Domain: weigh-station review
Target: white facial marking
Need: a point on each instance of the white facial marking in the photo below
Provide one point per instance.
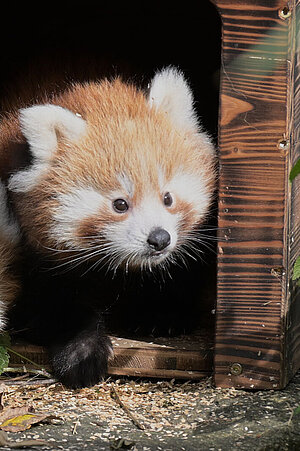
(74, 206)
(190, 188)
(153, 214)
(129, 237)
(126, 184)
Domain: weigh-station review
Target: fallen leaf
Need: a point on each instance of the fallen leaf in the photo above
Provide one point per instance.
(296, 270)
(297, 411)
(17, 419)
(295, 170)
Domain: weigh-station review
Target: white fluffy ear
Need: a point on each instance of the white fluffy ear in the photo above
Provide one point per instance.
(42, 125)
(170, 93)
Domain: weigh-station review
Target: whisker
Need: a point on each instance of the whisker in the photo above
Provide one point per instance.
(79, 259)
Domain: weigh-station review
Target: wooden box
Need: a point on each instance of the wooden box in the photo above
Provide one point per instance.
(256, 342)
(258, 310)
(133, 42)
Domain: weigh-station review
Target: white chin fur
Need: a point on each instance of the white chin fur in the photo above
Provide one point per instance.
(154, 259)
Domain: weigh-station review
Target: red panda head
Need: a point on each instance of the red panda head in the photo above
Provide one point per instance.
(118, 176)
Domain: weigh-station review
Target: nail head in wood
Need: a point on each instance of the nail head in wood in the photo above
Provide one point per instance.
(236, 369)
(284, 13)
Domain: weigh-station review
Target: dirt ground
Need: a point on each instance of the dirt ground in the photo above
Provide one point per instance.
(149, 415)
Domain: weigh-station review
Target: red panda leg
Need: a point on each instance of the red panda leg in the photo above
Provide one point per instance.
(82, 360)
(9, 238)
(9, 285)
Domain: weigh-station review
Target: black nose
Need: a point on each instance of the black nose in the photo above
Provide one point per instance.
(158, 239)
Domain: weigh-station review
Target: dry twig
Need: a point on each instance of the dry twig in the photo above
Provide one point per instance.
(115, 395)
(30, 382)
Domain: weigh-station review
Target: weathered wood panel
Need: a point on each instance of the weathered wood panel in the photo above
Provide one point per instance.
(253, 194)
(182, 358)
(292, 347)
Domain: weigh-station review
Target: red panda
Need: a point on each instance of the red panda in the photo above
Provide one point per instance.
(102, 174)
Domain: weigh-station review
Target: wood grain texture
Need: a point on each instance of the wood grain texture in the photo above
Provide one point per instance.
(292, 314)
(253, 195)
(181, 358)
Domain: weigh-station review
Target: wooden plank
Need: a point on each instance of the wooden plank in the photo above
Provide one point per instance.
(252, 256)
(292, 323)
(182, 358)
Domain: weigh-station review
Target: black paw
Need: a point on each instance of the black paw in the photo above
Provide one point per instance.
(82, 362)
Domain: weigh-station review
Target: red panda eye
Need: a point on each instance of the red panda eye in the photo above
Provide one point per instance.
(168, 200)
(120, 205)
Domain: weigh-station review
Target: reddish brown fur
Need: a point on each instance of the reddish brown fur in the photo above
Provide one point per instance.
(9, 286)
(145, 139)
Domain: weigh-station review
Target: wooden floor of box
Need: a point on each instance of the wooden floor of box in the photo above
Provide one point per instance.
(184, 357)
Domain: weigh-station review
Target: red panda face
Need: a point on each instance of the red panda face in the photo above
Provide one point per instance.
(119, 178)
(119, 228)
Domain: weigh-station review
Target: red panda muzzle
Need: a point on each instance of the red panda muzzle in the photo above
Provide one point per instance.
(159, 239)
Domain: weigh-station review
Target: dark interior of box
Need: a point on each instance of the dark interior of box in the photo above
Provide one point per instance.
(91, 42)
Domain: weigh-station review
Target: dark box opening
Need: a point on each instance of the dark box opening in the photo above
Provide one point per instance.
(108, 41)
